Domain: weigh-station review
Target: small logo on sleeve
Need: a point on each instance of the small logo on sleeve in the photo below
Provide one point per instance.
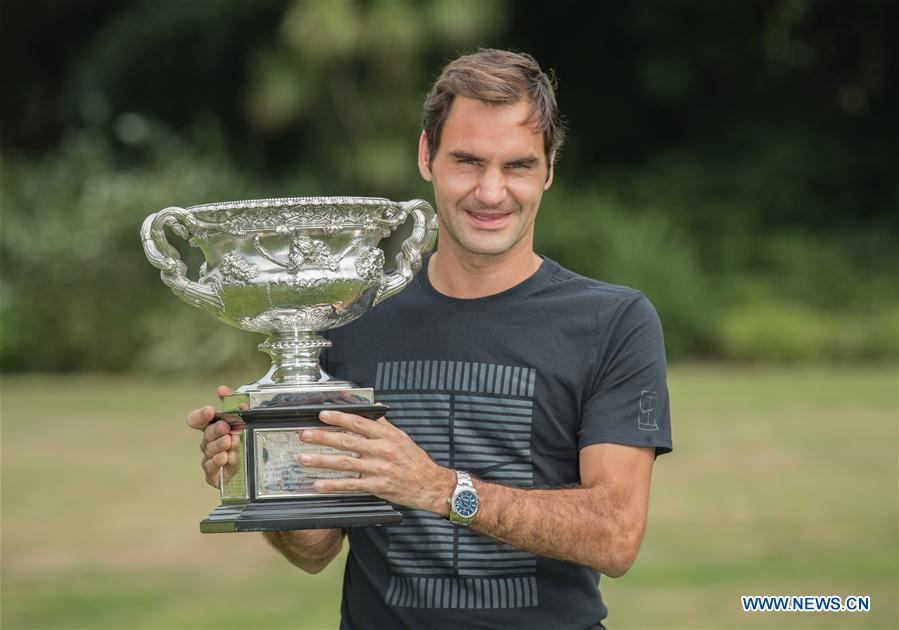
(646, 421)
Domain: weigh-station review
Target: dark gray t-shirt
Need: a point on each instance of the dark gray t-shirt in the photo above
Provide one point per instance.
(509, 388)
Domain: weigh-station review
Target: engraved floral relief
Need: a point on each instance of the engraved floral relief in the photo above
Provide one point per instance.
(303, 318)
(370, 264)
(300, 281)
(331, 218)
(235, 269)
(304, 250)
(333, 225)
(234, 227)
(395, 214)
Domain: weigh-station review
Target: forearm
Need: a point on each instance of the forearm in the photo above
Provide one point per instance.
(311, 550)
(599, 525)
(588, 526)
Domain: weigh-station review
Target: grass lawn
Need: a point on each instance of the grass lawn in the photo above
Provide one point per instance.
(782, 481)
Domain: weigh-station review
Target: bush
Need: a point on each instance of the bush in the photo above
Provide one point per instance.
(789, 332)
(78, 292)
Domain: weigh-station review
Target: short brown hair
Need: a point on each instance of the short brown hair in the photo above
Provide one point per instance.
(495, 77)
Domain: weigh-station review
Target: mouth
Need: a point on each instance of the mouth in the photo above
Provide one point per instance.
(487, 220)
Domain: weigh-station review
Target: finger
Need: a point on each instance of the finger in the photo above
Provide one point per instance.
(346, 463)
(352, 422)
(216, 461)
(336, 439)
(215, 430)
(212, 465)
(342, 485)
(217, 446)
(199, 418)
(384, 421)
(223, 390)
(212, 478)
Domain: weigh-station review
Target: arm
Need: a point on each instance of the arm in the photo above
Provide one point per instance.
(599, 524)
(310, 550)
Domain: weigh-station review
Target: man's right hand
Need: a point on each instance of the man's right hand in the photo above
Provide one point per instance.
(219, 443)
(310, 550)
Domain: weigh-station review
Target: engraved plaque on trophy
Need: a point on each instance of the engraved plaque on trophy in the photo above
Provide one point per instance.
(290, 268)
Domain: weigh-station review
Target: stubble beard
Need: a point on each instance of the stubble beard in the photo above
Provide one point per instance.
(466, 241)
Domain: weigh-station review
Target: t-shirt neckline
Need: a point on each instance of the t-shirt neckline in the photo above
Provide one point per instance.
(503, 297)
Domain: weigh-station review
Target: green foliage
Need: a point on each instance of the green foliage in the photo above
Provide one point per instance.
(740, 172)
(78, 292)
(790, 332)
(347, 79)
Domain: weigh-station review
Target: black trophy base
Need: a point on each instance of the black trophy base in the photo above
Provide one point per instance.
(326, 513)
(263, 514)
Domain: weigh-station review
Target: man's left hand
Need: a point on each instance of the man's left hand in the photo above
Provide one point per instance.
(390, 465)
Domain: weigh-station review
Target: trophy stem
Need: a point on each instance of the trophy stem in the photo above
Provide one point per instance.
(294, 360)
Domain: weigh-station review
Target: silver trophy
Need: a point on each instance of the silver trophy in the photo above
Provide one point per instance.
(289, 268)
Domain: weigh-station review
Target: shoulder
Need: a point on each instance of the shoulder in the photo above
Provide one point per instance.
(606, 300)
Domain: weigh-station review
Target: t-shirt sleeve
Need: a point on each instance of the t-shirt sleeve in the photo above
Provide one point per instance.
(629, 401)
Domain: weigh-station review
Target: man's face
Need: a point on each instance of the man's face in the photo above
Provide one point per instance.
(489, 174)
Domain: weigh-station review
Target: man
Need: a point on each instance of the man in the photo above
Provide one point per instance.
(534, 396)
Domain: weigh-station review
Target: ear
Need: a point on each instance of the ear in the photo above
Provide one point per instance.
(424, 158)
(550, 173)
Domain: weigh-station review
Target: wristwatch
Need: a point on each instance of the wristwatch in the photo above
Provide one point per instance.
(463, 505)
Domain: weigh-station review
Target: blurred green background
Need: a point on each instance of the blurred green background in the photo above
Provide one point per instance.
(737, 161)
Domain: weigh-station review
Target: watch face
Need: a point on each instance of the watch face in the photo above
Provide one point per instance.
(466, 503)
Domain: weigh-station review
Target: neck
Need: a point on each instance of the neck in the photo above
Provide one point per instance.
(468, 276)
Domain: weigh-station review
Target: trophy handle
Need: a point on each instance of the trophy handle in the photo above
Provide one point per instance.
(408, 261)
(163, 256)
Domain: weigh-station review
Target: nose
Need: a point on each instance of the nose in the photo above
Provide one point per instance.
(491, 190)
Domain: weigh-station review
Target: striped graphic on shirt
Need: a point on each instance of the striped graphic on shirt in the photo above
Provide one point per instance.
(457, 376)
(426, 592)
(474, 417)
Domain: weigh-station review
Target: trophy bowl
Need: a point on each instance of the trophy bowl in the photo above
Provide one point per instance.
(289, 268)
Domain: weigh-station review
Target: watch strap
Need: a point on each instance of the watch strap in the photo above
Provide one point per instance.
(463, 484)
